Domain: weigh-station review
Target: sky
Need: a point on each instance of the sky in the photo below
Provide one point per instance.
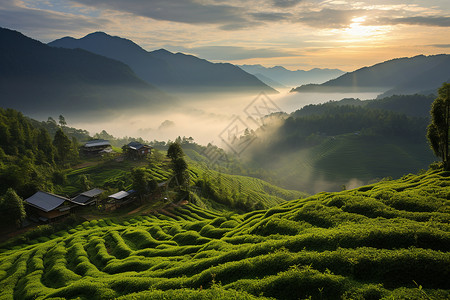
(296, 34)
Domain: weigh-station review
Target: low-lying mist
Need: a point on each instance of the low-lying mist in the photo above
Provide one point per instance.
(201, 116)
(215, 118)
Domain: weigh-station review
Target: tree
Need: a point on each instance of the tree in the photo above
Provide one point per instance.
(62, 121)
(438, 130)
(180, 169)
(12, 208)
(62, 144)
(175, 151)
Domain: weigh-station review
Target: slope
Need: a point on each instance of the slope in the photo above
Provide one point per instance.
(36, 78)
(398, 76)
(386, 240)
(350, 142)
(172, 72)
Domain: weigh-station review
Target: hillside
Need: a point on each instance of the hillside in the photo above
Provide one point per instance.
(173, 72)
(347, 143)
(402, 76)
(388, 240)
(292, 78)
(41, 80)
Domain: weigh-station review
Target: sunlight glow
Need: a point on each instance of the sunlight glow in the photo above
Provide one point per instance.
(357, 31)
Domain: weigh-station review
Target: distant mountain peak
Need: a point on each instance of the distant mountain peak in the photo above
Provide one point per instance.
(169, 71)
(398, 76)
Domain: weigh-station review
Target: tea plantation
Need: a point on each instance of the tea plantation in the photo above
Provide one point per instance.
(389, 240)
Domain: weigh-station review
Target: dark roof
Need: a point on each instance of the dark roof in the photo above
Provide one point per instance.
(81, 199)
(92, 193)
(45, 201)
(97, 143)
(135, 145)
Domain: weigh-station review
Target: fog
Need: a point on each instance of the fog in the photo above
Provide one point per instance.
(212, 118)
(203, 117)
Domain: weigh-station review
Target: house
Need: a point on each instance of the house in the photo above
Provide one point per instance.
(136, 149)
(119, 199)
(47, 206)
(97, 147)
(87, 198)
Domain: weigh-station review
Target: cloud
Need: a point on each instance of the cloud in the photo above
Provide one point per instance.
(271, 16)
(434, 21)
(18, 17)
(329, 18)
(441, 45)
(285, 3)
(182, 11)
(167, 124)
(232, 52)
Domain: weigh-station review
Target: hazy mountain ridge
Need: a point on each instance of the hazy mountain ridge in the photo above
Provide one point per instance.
(292, 78)
(349, 142)
(409, 75)
(170, 71)
(39, 78)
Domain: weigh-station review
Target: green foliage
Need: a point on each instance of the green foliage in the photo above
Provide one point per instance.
(438, 130)
(175, 151)
(386, 240)
(12, 210)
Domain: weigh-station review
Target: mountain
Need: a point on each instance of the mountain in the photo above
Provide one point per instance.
(292, 78)
(419, 74)
(36, 78)
(173, 72)
(349, 142)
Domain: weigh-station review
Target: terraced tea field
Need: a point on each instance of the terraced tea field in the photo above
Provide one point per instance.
(388, 240)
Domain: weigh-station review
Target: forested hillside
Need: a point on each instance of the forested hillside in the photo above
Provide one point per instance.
(31, 158)
(386, 240)
(325, 146)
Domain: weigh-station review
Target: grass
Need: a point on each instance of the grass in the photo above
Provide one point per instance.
(389, 240)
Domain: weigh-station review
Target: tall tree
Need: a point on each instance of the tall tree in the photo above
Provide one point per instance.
(12, 208)
(62, 144)
(62, 121)
(438, 130)
(175, 151)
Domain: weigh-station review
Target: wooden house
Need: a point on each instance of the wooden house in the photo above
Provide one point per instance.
(97, 147)
(87, 198)
(47, 206)
(119, 199)
(138, 150)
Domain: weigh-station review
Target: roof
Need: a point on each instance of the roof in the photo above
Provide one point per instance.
(97, 143)
(81, 199)
(45, 201)
(92, 193)
(135, 145)
(120, 195)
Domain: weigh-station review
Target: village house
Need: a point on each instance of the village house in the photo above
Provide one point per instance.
(97, 147)
(119, 199)
(138, 150)
(87, 198)
(48, 207)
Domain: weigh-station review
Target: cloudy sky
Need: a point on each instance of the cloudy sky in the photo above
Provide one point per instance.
(298, 34)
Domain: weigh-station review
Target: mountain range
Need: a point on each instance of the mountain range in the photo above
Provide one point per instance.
(419, 74)
(279, 76)
(37, 78)
(172, 72)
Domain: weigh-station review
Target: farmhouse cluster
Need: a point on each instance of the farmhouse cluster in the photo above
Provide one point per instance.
(47, 207)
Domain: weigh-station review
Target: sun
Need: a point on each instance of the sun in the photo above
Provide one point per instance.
(357, 31)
